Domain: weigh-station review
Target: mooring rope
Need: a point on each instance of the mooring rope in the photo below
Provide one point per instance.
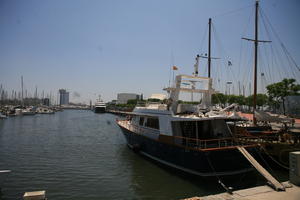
(228, 189)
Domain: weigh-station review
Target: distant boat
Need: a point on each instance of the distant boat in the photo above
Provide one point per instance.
(45, 110)
(100, 106)
(3, 116)
(29, 111)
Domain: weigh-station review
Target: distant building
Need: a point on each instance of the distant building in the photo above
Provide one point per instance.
(46, 101)
(112, 102)
(122, 98)
(63, 97)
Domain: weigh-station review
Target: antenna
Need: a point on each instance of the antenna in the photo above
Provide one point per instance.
(196, 65)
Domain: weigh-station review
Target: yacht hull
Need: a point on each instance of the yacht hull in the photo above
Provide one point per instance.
(100, 109)
(200, 163)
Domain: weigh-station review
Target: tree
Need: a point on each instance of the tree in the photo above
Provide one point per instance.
(261, 99)
(153, 100)
(278, 91)
(240, 100)
(132, 101)
(219, 98)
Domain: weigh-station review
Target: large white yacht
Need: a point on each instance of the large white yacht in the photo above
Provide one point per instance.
(100, 106)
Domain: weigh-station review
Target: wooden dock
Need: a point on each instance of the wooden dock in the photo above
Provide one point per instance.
(292, 192)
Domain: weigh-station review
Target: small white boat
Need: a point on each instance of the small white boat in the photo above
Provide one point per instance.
(29, 111)
(3, 116)
(42, 110)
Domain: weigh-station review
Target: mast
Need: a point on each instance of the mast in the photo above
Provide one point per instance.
(209, 46)
(256, 41)
(209, 49)
(22, 90)
(255, 61)
(35, 96)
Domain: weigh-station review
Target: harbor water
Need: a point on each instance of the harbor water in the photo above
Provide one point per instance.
(77, 154)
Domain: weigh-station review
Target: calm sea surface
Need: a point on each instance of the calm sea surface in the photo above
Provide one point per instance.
(82, 155)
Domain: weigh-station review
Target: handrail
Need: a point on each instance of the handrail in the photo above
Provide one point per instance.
(215, 139)
(192, 142)
(135, 128)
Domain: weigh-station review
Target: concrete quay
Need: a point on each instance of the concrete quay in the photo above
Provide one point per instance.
(292, 192)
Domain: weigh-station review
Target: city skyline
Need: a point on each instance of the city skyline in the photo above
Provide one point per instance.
(105, 48)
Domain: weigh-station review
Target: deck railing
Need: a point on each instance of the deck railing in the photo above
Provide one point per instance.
(136, 129)
(203, 144)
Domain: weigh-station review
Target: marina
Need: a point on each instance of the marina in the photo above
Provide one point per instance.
(58, 155)
(226, 125)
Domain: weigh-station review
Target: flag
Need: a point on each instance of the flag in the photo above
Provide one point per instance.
(175, 68)
(229, 63)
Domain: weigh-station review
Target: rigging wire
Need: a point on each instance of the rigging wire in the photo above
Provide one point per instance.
(283, 48)
(232, 11)
(267, 55)
(248, 70)
(201, 46)
(274, 160)
(228, 189)
(241, 57)
(204, 37)
(266, 163)
(229, 72)
(280, 41)
(244, 67)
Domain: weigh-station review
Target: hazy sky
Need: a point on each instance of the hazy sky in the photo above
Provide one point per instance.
(106, 47)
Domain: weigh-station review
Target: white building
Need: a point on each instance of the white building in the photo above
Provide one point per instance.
(158, 96)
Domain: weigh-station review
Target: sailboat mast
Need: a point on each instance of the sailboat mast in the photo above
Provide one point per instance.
(22, 90)
(255, 61)
(256, 41)
(209, 46)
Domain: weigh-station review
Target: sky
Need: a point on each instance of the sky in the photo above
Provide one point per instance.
(105, 47)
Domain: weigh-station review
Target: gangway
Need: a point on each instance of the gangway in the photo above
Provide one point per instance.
(277, 185)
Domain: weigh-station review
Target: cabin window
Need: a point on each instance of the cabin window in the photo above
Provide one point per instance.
(206, 129)
(152, 122)
(141, 121)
